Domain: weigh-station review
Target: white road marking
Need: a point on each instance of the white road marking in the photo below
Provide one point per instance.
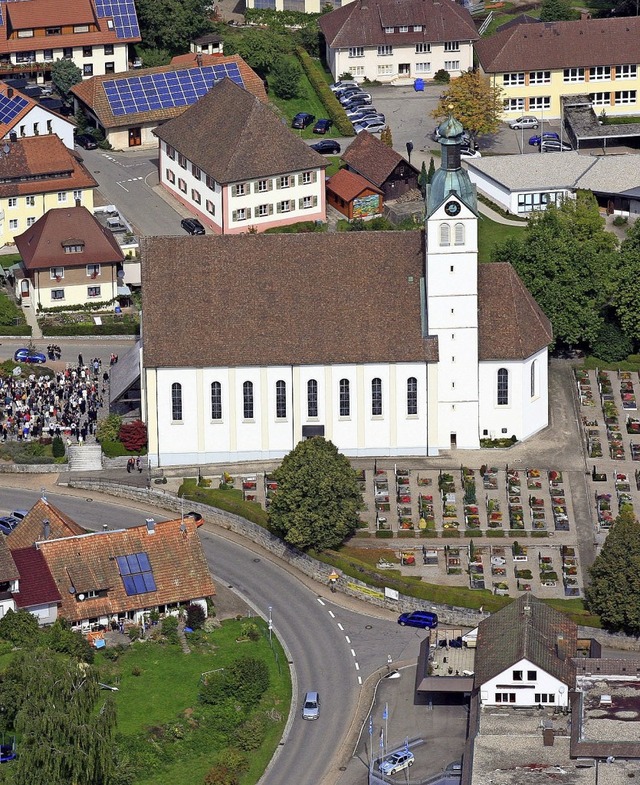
(320, 601)
(347, 638)
(340, 627)
(357, 667)
(332, 614)
(353, 654)
(359, 679)
(123, 188)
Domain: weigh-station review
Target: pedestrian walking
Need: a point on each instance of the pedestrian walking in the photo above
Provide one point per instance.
(129, 465)
(80, 362)
(139, 464)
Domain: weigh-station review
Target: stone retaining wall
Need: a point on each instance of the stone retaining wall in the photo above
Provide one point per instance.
(462, 617)
(33, 468)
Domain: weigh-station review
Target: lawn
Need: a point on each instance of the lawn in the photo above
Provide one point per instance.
(158, 708)
(308, 101)
(9, 259)
(229, 500)
(490, 233)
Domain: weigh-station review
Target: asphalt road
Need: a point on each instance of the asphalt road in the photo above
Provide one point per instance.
(87, 345)
(332, 649)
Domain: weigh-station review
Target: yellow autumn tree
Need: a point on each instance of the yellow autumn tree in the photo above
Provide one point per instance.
(474, 101)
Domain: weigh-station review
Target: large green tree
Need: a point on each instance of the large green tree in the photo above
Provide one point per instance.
(66, 724)
(614, 590)
(474, 101)
(172, 24)
(626, 290)
(556, 11)
(318, 498)
(261, 49)
(64, 74)
(566, 258)
(285, 78)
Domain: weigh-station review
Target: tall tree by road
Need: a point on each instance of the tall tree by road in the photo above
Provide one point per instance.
(64, 74)
(318, 498)
(626, 290)
(614, 590)
(474, 101)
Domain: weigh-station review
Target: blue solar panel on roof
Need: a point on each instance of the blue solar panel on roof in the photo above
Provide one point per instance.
(165, 90)
(136, 573)
(10, 107)
(123, 12)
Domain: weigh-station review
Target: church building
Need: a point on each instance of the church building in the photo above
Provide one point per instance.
(387, 343)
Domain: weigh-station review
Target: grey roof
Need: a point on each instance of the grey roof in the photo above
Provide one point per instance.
(125, 372)
(606, 173)
(232, 136)
(528, 629)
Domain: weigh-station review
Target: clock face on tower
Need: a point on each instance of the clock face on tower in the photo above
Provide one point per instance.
(452, 208)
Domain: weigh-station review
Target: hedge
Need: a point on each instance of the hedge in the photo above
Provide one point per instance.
(331, 103)
(13, 329)
(54, 330)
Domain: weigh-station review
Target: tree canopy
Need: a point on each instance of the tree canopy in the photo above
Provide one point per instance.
(556, 11)
(474, 101)
(172, 24)
(614, 590)
(567, 261)
(626, 289)
(318, 498)
(261, 49)
(64, 74)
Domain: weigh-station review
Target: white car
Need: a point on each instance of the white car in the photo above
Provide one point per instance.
(342, 85)
(373, 126)
(466, 153)
(527, 121)
(396, 762)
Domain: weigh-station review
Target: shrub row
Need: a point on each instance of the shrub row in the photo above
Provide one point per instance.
(15, 329)
(331, 103)
(52, 330)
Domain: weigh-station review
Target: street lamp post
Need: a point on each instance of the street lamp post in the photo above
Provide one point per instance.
(270, 623)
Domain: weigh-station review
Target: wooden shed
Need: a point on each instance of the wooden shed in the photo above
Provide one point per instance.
(353, 196)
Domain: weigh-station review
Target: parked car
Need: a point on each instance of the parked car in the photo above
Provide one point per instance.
(357, 103)
(8, 523)
(86, 141)
(326, 146)
(536, 139)
(192, 226)
(372, 126)
(19, 514)
(554, 146)
(342, 85)
(311, 706)
(322, 126)
(423, 619)
(361, 111)
(369, 118)
(29, 356)
(396, 762)
(347, 98)
(466, 152)
(455, 767)
(526, 121)
(302, 120)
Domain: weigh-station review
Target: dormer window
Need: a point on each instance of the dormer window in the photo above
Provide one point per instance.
(81, 29)
(388, 30)
(73, 246)
(53, 31)
(25, 33)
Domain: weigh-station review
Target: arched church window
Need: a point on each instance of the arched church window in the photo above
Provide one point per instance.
(247, 400)
(176, 401)
(458, 234)
(345, 398)
(503, 387)
(216, 401)
(376, 397)
(445, 234)
(412, 395)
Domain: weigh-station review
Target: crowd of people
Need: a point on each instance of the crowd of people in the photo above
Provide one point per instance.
(65, 404)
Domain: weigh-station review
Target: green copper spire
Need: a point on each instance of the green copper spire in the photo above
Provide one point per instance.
(450, 176)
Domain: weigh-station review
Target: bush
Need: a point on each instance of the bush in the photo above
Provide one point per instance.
(169, 629)
(250, 678)
(134, 633)
(109, 428)
(611, 344)
(19, 627)
(285, 78)
(442, 77)
(250, 735)
(133, 435)
(195, 616)
(221, 774)
(57, 447)
(250, 630)
(331, 103)
(619, 220)
(84, 328)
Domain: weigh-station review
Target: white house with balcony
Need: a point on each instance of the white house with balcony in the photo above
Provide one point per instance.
(257, 175)
(398, 42)
(386, 343)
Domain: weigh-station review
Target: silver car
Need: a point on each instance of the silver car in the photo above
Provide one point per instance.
(397, 762)
(527, 121)
(311, 706)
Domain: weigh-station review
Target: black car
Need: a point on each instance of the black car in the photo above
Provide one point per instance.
(302, 120)
(326, 146)
(322, 126)
(86, 141)
(192, 226)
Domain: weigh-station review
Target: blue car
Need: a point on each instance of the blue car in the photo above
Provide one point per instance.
(536, 140)
(29, 356)
(8, 523)
(422, 619)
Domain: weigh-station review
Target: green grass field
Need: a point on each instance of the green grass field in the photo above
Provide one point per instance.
(229, 500)
(491, 233)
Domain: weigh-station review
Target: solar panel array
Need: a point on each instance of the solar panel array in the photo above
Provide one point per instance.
(10, 107)
(136, 574)
(125, 19)
(166, 90)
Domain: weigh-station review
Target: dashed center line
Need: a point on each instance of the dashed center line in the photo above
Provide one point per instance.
(347, 638)
(353, 654)
(320, 601)
(340, 627)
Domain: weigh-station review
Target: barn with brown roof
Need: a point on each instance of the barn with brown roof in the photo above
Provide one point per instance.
(381, 165)
(387, 343)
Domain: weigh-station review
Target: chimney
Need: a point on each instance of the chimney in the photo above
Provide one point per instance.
(9, 92)
(199, 60)
(46, 529)
(151, 526)
(584, 16)
(561, 647)
(13, 136)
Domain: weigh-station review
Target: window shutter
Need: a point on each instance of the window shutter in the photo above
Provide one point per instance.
(234, 215)
(270, 185)
(277, 182)
(234, 190)
(300, 179)
(315, 201)
(314, 177)
(300, 204)
(248, 212)
(270, 209)
(279, 207)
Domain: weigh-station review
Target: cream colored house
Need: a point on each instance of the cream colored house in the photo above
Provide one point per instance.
(38, 173)
(537, 64)
(396, 43)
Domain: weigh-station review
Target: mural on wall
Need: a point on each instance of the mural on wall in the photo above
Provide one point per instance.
(366, 206)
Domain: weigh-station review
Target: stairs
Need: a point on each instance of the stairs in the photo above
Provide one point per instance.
(85, 458)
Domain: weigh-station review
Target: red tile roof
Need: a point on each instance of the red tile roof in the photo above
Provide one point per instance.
(552, 45)
(4, 90)
(91, 91)
(31, 528)
(37, 586)
(347, 185)
(41, 246)
(362, 23)
(373, 159)
(89, 562)
(46, 162)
